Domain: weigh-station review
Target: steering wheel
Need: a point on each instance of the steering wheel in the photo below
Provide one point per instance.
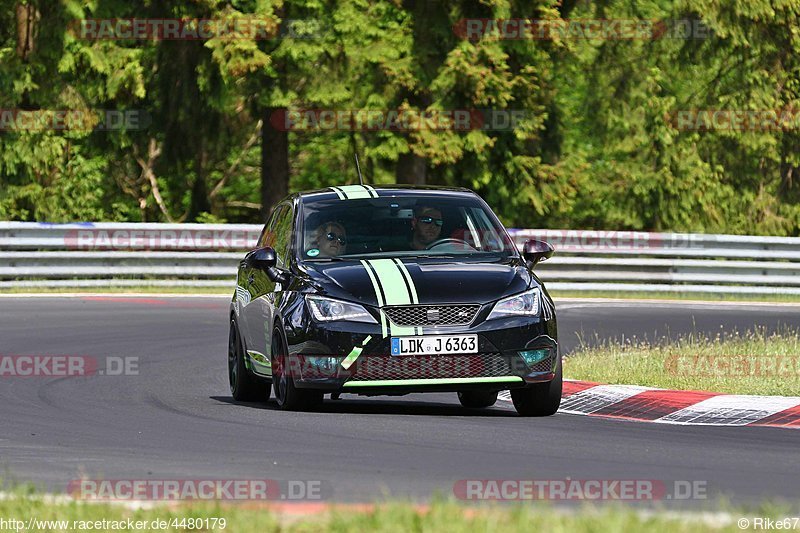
(450, 240)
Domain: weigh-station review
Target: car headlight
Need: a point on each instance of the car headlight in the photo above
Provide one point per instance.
(328, 310)
(525, 304)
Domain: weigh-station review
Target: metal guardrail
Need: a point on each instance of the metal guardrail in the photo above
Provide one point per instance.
(37, 255)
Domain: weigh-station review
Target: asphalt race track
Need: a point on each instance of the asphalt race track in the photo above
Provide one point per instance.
(176, 420)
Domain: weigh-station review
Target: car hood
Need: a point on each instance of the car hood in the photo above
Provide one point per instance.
(431, 281)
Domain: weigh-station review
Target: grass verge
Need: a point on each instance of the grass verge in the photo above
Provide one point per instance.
(756, 362)
(389, 517)
(704, 296)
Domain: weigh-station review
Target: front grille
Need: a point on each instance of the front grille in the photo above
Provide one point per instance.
(432, 366)
(431, 315)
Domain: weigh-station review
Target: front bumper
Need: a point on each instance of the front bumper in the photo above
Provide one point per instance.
(498, 364)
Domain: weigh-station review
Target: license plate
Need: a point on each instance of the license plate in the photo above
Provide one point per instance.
(444, 344)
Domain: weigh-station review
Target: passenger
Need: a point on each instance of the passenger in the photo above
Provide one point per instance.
(330, 238)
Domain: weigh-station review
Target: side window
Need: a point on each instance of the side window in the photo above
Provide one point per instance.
(283, 234)
(267, 237)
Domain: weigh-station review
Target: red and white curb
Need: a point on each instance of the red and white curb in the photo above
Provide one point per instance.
(662, 406)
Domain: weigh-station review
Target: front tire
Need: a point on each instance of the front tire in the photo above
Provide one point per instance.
(244, 386)
(475, 399)
(287, 396)
(539, 399)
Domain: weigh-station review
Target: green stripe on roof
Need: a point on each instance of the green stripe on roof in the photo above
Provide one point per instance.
(339, 193)
(355, 192)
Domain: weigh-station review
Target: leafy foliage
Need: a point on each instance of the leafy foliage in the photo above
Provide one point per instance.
(593, 142)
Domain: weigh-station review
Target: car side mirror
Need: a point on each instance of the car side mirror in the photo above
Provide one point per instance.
(265, 259)
(535, 251)
(262, 258)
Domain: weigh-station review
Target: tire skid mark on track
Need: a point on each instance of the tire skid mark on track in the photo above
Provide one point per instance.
(43, 393)
(341, 407)
(158, 403)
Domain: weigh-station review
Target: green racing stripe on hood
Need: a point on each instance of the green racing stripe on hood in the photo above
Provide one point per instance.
(378, 296)
(396, 285)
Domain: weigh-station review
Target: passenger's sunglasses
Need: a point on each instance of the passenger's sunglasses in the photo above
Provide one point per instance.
(431, 220)
(331, 236)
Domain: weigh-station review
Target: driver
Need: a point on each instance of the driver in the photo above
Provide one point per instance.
(426, 226)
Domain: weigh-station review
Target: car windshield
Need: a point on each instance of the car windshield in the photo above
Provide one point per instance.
(404, 226)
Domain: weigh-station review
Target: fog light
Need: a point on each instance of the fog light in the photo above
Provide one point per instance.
(532, 357)
(324, 365)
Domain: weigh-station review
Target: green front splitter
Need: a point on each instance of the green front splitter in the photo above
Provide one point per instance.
(431, 381)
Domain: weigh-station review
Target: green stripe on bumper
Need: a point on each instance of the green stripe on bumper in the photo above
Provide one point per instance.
(431, 381)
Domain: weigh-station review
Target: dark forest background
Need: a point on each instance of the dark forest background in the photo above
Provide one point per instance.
(597, 148)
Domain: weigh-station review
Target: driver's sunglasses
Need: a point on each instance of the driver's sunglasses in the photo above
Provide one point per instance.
(431, 220)
(331, 236)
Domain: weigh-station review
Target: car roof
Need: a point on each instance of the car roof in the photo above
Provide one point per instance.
(330, 193)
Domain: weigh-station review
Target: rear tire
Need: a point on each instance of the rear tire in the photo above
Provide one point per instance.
(477, 399)
(539, 399)
(287, 396)
(244, 386)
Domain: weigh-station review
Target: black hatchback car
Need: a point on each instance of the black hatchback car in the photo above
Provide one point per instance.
(391, 290)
